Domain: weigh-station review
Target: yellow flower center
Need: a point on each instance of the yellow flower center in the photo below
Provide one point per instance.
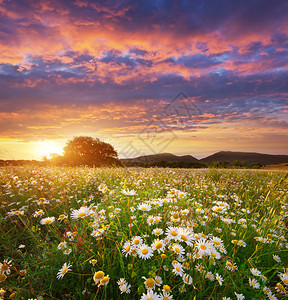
(186, 279)
(175, 215)
(149, 299)
(165, 298)
(177, 250)
(136, 242)
(17, 212)
(157, 232)
(104, 279)
(166, 288)
(229, 264)
(61, 216)
(174, 233)
(150, 282)
(99, 274)
(252, 283)
(143, 208)
(183, 237)
(2, 277)
(203, 247)
(286, 281)
(158, 245)
(163, 256)
(64, 271)
(121, 283)
(127, 249)
(82, 214)
(219, 209)
(144, 251)
(216, 243)
(178, 269)
(157, 280)
(47, 221)
(213, 254)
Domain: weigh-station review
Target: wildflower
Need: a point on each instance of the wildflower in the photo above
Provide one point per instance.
(124, 286)
(2, 292)
(219, 278)
(172, 233)
(217, 242)
(187, 279)
(137, 241)
(65, 268)
(38, 213)
(157, 231)
(239, 296)
(62, 217)
(166, 296)
(149, 283)
(231, 266)
(253, 282)
(280, 288)
(98, 276)
(166, 288)
(129, 193)
(144, 207)
(185, 235)
(67, 251)
(145, 252)
(241, 243)
(255, 272)
(2, 277)
(178, 249)
(48, 220)
(93, 261)
(277, 258)
(104, 280)
(210, 276)
(5, 267)
(203, 246)
(62, 246)
(150, 296)
(158, 245)
(150, 220)
(284, 277)
(178, 269)
(272, 296)
(80, 213)
(126, 248)
(158, 280)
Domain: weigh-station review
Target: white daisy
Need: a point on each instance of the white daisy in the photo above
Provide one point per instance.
(65, 268)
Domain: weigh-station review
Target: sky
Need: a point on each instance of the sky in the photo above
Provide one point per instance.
(184, 77)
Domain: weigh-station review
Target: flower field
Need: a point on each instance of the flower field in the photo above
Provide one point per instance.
(117, 233)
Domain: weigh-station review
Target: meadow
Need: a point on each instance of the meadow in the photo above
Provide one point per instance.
(132, 233)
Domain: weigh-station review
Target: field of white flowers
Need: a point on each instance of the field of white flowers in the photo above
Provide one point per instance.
(84, 233)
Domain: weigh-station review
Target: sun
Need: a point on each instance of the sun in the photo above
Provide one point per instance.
(46, 148)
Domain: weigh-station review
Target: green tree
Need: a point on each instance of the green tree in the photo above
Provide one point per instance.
(85, 150)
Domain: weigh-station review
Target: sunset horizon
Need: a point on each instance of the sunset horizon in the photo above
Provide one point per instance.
(187, 78)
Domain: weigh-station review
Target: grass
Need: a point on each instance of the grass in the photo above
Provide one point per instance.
(214, 226)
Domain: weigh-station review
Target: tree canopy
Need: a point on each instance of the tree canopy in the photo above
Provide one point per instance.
(85, 150)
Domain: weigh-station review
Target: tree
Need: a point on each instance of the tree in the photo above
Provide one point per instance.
(85, 150)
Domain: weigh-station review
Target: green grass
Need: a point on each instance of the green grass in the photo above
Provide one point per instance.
(232, 205)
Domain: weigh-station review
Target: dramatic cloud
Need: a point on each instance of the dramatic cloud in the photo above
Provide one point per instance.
(110, 68)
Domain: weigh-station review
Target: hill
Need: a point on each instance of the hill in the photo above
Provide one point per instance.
(249, 157)
(161, 157)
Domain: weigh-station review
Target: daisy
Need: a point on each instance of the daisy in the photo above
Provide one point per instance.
(150, 296)
(210, 276)
(157, 231)
(241, 243)
(67, 251)
(126, 248)
(144, 207)
(185, 235)
(65, 268)
(158, 280)
(178, 249)
(125, 288)
(255, 272)
(129, 193)
(277, 258)
(166, 288)
(48, 220)
(178, 269)
(272, 296)
(137, 241)
(166, 296)
(219, 279)
(5, 267)
(231, 266)
(80, 213)
(93, 261)
(62, 246)
(149, 283)
(203, 246)
(217, 242)
(187, 279)
(145, 251)
(239, 296)
(172, 233)
(104, 280)
(158, 245)
(150, 220)
(98, 276)
(253, 282)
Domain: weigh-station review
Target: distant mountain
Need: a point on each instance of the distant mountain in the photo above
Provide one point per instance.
(249, 157)
(161, 157)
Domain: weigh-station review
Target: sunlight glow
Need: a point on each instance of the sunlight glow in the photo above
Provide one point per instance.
(47, 148)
